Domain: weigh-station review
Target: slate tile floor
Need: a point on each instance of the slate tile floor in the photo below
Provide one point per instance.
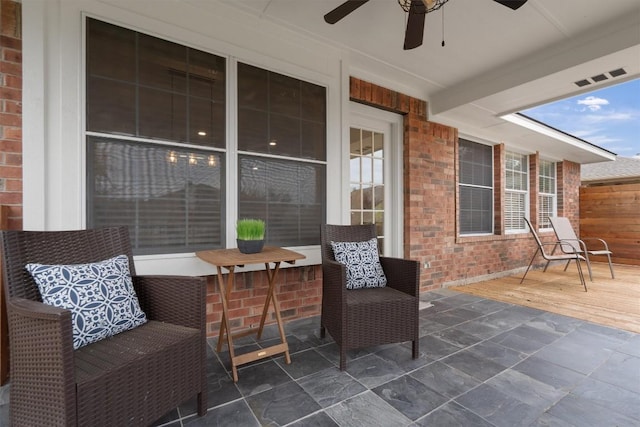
(482, 363)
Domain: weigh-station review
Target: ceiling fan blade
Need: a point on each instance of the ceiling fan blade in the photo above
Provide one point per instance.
(415, 25)
(512, 4)
(343, 10)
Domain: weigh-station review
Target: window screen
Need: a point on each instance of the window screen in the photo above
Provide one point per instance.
(476, 187)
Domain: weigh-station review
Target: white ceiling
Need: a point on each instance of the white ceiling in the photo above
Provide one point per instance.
(496, 61)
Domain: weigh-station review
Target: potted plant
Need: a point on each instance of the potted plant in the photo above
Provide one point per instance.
(250, 235)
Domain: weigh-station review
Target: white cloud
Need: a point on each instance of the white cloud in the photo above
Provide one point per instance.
(593, 103)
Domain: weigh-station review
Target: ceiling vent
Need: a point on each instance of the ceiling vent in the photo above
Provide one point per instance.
(601, 77)
(617, 73)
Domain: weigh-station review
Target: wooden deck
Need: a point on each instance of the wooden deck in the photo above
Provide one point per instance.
(609, 302)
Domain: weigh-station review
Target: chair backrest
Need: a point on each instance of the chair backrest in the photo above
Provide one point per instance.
(535, 236)
(343, 233)
(564, 232)
(56, 247)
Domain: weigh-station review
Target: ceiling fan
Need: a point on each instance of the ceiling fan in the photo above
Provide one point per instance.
(417, 10)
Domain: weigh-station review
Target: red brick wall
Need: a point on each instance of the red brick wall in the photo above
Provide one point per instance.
(430, 191)
(299, 293)
(11, 110)
(568, 186)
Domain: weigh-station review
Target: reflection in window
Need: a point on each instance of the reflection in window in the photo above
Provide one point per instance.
(167, 196)
(289, 195)
(146, 87)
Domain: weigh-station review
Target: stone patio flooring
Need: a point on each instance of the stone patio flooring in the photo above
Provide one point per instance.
(482, 363)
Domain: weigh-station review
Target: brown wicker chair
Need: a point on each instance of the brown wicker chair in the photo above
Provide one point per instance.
(130, 379)
(371, 316)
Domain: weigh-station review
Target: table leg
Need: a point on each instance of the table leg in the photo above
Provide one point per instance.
(270, 279)
(271, 297)
(225, 326)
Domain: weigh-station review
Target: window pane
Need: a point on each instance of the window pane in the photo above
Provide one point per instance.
(476, 187)
(546, 208)
(313, 105)
(476, 163)
(111, 106)
(284, 139)
(547, 197)
(143, 86)
(287, 195)
(252, 130)
(162, 64)
(163, 115)
(171, 199)
(313, 140)
(206, 123)
(110, 51)
(514, 211)
(295, 127)
(516, 172)
(476, 213)
(207, 76)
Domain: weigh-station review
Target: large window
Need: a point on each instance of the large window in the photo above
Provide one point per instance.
(158, 147)
(476, 187)
(281, 140)
(516, 191)
(546, 193)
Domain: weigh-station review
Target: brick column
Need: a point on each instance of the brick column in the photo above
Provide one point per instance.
(11, 110)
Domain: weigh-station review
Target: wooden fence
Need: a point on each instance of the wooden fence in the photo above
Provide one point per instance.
(612, 213)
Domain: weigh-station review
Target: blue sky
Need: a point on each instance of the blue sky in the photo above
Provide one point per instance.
(608, 117)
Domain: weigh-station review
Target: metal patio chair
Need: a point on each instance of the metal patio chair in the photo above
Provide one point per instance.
(571, 243)
(569, 256)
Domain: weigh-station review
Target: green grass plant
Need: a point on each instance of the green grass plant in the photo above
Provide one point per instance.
(250, 229)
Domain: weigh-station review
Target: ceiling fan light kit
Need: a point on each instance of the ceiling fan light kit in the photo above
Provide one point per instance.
(417, 9)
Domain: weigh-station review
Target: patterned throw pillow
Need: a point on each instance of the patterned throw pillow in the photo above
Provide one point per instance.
(100, 296)
(363, 263)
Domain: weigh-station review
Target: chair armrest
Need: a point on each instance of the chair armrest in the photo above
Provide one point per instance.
(180, 300)
(41, 347)
(402, 274)
(334, 280)
(604, 244)
(563, 244)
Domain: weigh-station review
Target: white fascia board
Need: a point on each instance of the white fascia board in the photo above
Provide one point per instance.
(527, 123)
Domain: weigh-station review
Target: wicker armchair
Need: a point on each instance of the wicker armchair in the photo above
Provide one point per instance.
(130, 379)
(371, 316)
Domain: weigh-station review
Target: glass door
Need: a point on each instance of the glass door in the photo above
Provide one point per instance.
(374, 177)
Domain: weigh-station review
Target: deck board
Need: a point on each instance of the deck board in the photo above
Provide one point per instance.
(609, 302)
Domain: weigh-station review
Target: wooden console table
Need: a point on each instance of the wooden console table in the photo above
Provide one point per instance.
(229, 259)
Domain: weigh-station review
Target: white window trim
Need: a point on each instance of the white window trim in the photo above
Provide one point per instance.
(53, 103)
(493, 185)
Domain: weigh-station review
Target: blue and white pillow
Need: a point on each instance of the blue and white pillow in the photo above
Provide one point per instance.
(363, 263)
(100, 296)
